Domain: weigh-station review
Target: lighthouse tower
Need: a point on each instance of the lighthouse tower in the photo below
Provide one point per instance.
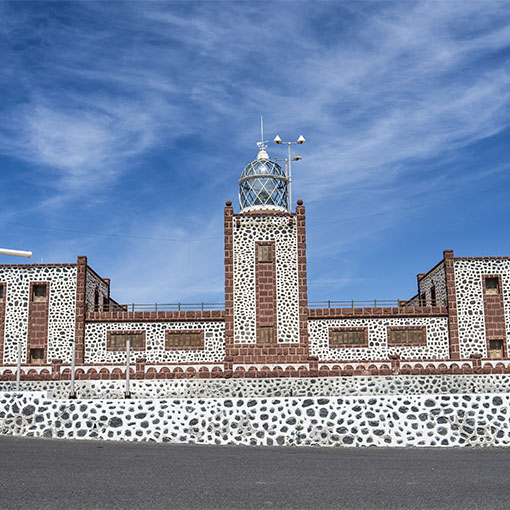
(265, 271)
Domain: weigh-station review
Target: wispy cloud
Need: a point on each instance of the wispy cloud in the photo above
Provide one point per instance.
(382, 92)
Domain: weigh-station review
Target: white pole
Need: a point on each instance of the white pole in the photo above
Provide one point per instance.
(128, 349)
(73, 369)
(18, 371)
(290, 180)
(15, 253)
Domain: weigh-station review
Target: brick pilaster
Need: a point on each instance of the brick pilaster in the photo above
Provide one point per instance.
(494, 312)
(265, 290)
(79, 336)
(302, 279)
(38, 322)
(229, 276)
(451, 296)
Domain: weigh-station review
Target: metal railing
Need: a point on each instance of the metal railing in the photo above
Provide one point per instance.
(158, 307)
(354, 303)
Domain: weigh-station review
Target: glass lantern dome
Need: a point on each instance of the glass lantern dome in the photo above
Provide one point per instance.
(263, 184)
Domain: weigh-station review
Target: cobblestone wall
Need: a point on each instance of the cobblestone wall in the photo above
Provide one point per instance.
(470, 305)
(61, 312)
(277, 387)
(436, 348)
(282, 230)
(213, 350)
(406, 420)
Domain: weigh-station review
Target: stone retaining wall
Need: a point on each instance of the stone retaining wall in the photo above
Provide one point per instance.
(288, 387)
(390, 420)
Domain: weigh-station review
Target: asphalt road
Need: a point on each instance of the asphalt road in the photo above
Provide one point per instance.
(40, 473)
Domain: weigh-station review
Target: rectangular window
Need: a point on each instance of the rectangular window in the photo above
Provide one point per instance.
(36, 356)
(423, 299)
(265, 252)
(39, 292)
(496, 349)
(348, 337)
(117, 340)
(2, 292)
(400, 336)
(492, 286)
(184, 339)
(266, 335)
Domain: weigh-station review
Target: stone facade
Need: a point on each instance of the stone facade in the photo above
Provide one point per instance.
(455, 324)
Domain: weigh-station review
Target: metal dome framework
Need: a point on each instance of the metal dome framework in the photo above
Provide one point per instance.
(263, 183)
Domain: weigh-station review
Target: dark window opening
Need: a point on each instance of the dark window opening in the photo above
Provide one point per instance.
(492, 286)
(1, 293)
(266, 335)
(265, 253)
(433, 298)
(36, 356)
(39, 292)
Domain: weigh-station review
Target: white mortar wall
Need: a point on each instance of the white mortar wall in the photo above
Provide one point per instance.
(265, 228)
(436, 348)
(213, 351)
(61, 314)
(470, 308)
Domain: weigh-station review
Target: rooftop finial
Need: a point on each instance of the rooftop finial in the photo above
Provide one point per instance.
(262, 145)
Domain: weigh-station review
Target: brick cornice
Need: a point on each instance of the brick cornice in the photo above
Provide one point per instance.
(79, 336)
(377, 313)
(164, 316)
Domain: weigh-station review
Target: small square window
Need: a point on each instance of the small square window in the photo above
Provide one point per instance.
(496, 349)
(36, 356)
(266, 335)
(265, 252)
(39, 292)
(491, 286)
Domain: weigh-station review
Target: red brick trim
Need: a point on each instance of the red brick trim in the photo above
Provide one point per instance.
(188, 315)
(494, 313)
(480, 258)
(377, 313)
(79, 334)
(265, 291)
(451, 298)
(38, 321)
(170, 332)
(302, 275)
(2, 320)
(343, 346)
(391, 343)
(229, 276)
(125, 332)
(37, 265)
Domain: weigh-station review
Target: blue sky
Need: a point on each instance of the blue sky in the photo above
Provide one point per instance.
(125, 126)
